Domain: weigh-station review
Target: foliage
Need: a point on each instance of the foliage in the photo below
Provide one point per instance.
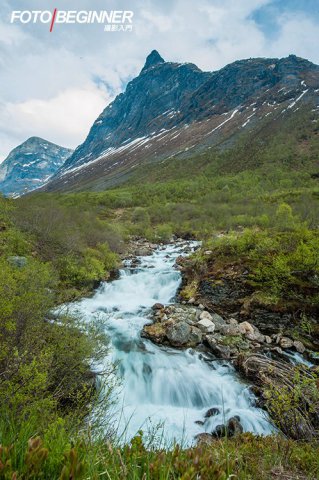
(244, 457)
(294, 405)
(281, 264)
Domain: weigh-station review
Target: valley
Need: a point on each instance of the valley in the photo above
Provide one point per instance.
(159, 291)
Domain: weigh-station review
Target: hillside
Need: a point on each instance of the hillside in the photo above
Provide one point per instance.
(177, 111)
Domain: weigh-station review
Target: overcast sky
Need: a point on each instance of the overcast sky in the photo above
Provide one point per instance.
(54, 85)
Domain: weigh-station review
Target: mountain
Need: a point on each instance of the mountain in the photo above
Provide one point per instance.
(30, 165)
(173, 109)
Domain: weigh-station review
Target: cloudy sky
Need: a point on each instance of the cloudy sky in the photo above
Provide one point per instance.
(54, 85)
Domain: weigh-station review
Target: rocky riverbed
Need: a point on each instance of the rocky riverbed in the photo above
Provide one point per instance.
(264, 355)
(173, 379)
(185, 326)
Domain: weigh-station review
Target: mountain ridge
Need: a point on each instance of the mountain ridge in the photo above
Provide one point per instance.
(30, 165)
(173, 109)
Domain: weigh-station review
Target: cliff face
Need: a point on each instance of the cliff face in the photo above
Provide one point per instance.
(175, 109)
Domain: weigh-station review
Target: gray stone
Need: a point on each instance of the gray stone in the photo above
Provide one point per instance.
(205, 315)
(232, 321)
(299, 346)
(220, 431)
(199, 422)
(256, 337)
(157, 306)
(178, 333)
(286, 342)
(246, 327)
(206, 325)
(220, 351)
(218, 321)
(230, 330)
(195, 336)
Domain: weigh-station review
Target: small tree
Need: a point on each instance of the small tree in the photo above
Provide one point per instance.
(284, 217)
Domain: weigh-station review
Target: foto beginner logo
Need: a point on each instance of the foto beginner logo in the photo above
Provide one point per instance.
(113, 20)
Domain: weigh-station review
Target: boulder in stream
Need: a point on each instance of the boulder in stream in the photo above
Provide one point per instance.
(178, 333)
(232, 428)
(212, 412)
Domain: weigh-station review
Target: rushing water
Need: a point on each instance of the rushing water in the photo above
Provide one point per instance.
(162, 385)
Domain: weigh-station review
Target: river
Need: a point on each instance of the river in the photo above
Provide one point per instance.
(164, 389)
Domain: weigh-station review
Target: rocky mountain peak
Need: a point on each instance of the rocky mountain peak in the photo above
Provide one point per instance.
(176, 109)
(30, 165)
(153, 59)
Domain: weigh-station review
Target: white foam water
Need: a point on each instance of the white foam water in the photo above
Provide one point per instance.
(159, 385)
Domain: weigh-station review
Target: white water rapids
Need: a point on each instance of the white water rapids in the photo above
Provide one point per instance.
(160, 385)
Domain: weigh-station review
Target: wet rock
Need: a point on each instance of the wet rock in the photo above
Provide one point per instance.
(299, 346)
(199, 422)
(207, 326)
(286, 342)
(180, 260)
(277, 350)
(155, 332)
(178, 333)
(204, 439)
(157, 306)
(191, 300)
(264, 371)
(220, 431)
(231, 429)
(276, 337)
(234, 426)
(268, 339)
(212, 412)
(135, 262)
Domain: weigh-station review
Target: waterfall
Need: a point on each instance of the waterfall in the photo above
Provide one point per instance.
(161, 385)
